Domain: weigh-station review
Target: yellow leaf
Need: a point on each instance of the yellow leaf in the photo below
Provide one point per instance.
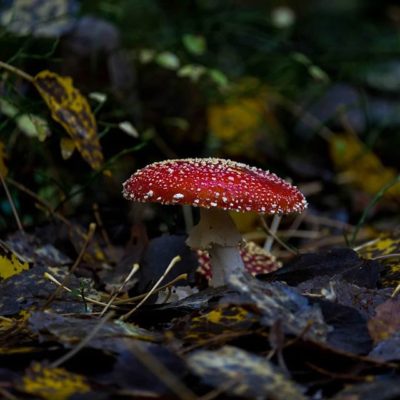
(361, 166)
(3, 156)
(10, 264)
(240, 122)
(384, 248)
(69, 108)
(53, 383)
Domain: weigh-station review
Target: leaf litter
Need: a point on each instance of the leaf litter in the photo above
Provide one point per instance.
(252, 339)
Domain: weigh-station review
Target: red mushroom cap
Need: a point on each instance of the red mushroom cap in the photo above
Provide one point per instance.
(214, 182)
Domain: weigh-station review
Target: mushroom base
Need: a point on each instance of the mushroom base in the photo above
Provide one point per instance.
(216, 232)
(225, 261)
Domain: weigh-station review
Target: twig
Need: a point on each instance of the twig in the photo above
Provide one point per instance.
(273, 229)
(89, 236)
(39, 200)
(170, 266)
(133, 271)
(385, 256)
(67, 289)
(16, 71)
(103, 231)
(180, 390)
(11, 201)
(283, 244)
(83, 342)
(181, 277)
(396, 291)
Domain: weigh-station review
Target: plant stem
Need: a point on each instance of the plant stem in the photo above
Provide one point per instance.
(16, 71)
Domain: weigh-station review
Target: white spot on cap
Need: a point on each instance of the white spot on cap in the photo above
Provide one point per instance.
(178, 196)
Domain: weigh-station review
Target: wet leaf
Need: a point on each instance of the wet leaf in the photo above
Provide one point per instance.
(52, 383)
(10, 263)
(242, 374)
(347, 328)
(3, 157)
(69, 108)
(342, 263)
(67, 330)
(386, 322)
(279, 302)
(30, 288)
(30, 249)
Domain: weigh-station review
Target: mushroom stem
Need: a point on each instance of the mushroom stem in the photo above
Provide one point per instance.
(217, 233)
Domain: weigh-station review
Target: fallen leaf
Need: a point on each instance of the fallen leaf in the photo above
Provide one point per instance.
(278, 302)
(10, 263)
(362, 167)
(242, 374)
(69, 108)
(385, 248)
(52, 383)
(219, 323)
(386, 321)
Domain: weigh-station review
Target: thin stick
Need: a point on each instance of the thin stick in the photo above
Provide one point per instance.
(181, 277)
(89, 236)
(180, 390)
(103, 231)
(396, 291)
(11, 201)
(283, 244)
(42, 202)
(173, 262)
(385, 256)
(273, 229)
(67, 289)
(83, 342)
(16, 71)
(133, 271)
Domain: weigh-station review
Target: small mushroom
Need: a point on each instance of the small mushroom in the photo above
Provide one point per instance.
(216, 186)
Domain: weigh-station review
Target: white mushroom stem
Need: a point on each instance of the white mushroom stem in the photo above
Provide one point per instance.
(216, 232)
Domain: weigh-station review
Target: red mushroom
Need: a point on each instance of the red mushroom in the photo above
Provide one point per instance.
(215, 185)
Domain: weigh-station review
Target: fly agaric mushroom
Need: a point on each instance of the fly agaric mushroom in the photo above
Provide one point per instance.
(216, 186)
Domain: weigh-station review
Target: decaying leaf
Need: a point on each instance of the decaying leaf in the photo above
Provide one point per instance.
(10, 263)
(3, 156)
(240, 373)
(222, 323)
(52, 383)
(361, 166)
(69, 108)
(386, 322)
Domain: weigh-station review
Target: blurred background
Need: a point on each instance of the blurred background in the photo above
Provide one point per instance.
(309, 90)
